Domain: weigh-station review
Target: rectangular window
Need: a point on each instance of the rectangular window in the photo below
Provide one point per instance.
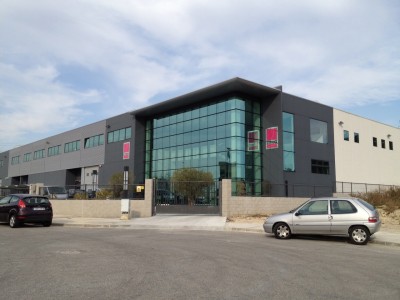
(356, 137)
(1, 163)
(288, 142)
(38, 154)
(94, 141)
(390, 145)
(346, 135)
(52, 151)
(318, 131)
(383, 144)
(375, 142)
(119, 135)
(319, 166)
(72, 146)
(27, 157)
(15, 160)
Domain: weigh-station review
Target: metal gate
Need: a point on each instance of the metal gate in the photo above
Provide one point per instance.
(186, 197)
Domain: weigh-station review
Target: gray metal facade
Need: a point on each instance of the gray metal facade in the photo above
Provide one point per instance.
(108, 158)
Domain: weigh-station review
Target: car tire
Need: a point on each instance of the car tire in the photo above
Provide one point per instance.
(282, 231)
(47, 224)
(359, 235)
(13, 222)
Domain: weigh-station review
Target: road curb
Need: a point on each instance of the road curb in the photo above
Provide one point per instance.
(194, 228)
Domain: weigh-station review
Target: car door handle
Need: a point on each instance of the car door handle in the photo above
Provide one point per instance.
(330, 218)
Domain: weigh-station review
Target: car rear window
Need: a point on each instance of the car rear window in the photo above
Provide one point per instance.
(36, 200)
(366, 204)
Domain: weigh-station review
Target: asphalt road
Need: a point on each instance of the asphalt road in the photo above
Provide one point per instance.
(85, 263)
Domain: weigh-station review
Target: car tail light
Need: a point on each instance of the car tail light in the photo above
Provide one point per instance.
(373, 219)
(21, 203)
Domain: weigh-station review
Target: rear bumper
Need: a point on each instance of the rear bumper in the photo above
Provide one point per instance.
(374, 227)
(35, 219)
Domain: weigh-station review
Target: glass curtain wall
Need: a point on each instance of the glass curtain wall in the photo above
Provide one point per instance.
(288, 142)
(213, 138)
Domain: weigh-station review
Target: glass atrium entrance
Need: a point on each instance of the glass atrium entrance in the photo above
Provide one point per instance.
(222, 138)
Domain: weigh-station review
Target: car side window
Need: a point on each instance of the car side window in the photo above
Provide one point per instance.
(5, 200)
(14, 199)
(342, 207)
(318, 207)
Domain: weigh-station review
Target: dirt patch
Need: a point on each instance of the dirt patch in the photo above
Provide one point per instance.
(390, 222)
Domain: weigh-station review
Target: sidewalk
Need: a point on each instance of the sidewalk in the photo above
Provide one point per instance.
(192, 222)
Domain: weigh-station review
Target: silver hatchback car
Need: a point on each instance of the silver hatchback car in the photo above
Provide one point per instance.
(350, 217)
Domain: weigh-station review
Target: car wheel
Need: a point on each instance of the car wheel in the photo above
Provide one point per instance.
(13, 221)
(359, 235)
(47, 224)
(282, 231)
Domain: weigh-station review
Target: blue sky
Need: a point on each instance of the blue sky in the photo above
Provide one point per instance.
(65, 64)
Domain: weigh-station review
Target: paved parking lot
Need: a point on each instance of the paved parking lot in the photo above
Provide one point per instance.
(111, 263)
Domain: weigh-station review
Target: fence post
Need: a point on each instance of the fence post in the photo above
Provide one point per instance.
(286, 189)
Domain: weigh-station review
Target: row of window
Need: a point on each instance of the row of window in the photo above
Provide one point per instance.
(383, 143)
(346, 136)
(119, 135)
(90, 142)
(224, 106)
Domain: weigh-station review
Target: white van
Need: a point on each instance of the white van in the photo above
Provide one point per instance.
(54, 192)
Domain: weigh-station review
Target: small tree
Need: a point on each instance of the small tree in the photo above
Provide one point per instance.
(191, 183)
(117, 183)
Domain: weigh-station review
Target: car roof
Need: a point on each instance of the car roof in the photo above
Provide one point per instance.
(26, 195)
(334, 198)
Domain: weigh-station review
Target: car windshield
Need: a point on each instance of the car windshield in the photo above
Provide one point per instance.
(57, 190)
(36, 200)
(294, 209)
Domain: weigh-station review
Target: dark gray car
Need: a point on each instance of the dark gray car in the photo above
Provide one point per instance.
(351, 217)
(17, 209)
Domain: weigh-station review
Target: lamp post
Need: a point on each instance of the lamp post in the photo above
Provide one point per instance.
(126, 179)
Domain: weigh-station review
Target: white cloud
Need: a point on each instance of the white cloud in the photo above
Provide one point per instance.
(33, 102)
(137, 51)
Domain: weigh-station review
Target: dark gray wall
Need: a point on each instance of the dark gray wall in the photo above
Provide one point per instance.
(49, 178)
(113, 160)
(305, 150)
(4, 156)
(271, 110)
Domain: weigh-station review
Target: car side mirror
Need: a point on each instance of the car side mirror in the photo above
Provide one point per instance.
(297, 213)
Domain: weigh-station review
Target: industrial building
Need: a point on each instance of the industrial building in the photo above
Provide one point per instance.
(276, 143)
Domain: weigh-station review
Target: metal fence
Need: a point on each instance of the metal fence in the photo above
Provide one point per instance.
(86, 192)
(4, 191)
(107, 192)
(267, 189)
(167, 192)
(353, 187)
(186, 193)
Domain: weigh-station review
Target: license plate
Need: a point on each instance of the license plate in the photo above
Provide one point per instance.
(38, 208)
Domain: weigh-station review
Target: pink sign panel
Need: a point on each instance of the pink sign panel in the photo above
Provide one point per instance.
(272, 138)
(253, 138)
(126, 150)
